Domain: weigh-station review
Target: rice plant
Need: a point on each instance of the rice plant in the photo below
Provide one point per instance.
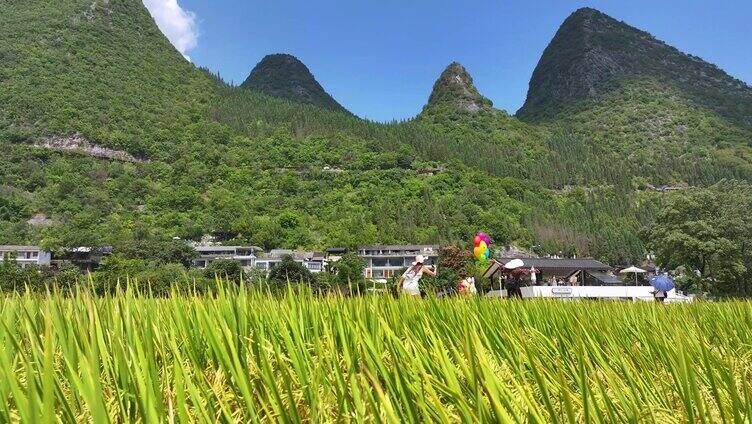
(248, 356)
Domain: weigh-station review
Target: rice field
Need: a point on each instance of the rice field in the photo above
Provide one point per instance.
(243, 356)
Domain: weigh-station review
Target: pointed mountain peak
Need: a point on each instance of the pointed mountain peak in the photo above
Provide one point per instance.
(593, 54)
(590, 20)
(285, 76)
(586, 12)
(455, 89)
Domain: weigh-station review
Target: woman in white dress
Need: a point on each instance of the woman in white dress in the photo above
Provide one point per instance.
(411, 278)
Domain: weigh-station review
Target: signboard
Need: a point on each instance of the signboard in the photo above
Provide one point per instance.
(561, 291)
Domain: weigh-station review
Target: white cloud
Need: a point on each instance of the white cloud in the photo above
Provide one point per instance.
(177, 24)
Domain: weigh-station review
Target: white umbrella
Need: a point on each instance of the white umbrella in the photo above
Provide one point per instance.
(633, 270)
(514, 264)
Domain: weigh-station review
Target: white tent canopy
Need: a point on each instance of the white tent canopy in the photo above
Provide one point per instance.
(632, 270)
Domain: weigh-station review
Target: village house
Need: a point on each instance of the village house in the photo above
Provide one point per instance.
(245, 255)
(86, 259)
(384, 261)
(312, 261)
(26, 255)
(583, 271)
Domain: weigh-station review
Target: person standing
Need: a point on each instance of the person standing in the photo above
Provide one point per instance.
(467, 286)
(513, 286)
(660, 295)
(410, 280)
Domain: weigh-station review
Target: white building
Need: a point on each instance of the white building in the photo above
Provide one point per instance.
(312, 261)
(384, 261)
(26, 255)
(245, 255)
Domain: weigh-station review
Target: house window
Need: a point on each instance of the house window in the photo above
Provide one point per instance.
(379, 262)
(397, 262)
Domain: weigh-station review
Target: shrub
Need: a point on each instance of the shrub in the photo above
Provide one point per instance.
(290, 272)
(224, 268)
(349, 270)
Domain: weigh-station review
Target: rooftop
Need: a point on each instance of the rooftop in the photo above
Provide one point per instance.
(400, 247)
(551, 264)
(275, 254)
(218, 248)
(13, 247)
(560, 263)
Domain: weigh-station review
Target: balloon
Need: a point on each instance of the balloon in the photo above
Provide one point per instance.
(482, 245)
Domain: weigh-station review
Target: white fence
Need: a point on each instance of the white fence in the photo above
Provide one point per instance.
(633, 293)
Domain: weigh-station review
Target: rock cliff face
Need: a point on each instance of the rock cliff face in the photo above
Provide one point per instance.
(285, 76)
(77, 143)
(455, 90)
(593, 54)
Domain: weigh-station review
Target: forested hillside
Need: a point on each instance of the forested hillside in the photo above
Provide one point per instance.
(276, 170)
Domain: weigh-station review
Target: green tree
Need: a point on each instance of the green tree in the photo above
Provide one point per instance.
(224, 268)
(349, 270)
(290, 272)
(118, 268)
(267, 233)
(708, 234)
(178, 252)
(68, 277)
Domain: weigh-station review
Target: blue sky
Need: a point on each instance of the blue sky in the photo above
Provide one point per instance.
(380, 58)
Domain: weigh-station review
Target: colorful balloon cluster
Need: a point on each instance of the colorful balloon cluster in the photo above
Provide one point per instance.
(482, 250)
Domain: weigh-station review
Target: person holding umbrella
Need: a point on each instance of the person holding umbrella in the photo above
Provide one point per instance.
(514, 272)
(662, 285)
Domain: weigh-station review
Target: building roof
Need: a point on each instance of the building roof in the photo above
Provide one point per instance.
(551, 264)
(433, 247)
(298, 255)
(14, 247)
(218, 248)
(606, 278)
(414, 248)
(69, 252)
